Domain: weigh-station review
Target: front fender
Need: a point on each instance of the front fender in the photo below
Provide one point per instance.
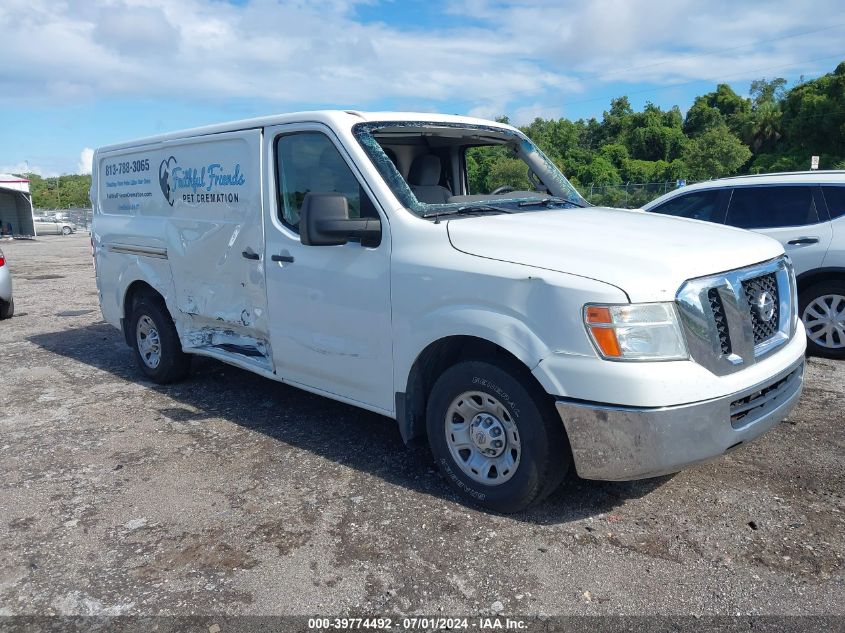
(504, 330)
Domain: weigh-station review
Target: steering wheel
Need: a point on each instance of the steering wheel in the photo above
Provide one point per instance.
(501, 190)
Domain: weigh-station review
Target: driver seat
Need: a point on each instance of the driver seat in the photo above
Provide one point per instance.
(424, 179)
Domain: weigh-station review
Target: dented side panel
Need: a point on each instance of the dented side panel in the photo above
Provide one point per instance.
(179, 215)
(214, 184)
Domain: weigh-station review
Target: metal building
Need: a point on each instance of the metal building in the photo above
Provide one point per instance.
(15, 207)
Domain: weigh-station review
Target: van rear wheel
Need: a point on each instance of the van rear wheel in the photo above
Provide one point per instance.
(495, 436)
(156, 342)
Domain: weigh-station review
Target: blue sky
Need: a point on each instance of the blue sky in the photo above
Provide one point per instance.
(77, 75)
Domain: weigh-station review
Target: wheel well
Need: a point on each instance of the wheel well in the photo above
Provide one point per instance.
(431, 363)
(136, 290)
(819, 275)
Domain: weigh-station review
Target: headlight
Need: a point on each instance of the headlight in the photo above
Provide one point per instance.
(644, 331)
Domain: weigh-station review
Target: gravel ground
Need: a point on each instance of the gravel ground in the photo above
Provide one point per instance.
(232, 494)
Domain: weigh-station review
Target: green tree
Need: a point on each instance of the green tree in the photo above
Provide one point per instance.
(763, 91)
(599, 171)
(62, 192)
(508, 171)
(616, 121)
(616, 153)
(814, 116)
(715, 153)
(762, 129)
(733, 108)
(702, 117)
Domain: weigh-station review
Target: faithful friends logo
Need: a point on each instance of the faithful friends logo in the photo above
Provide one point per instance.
(165, 181)
(200, 181)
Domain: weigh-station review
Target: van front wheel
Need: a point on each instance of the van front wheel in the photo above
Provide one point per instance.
(156, 342)
(495, 437)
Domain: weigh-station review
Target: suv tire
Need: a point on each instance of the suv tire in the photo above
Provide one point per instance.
(496, 436)
(817, 305)
(155, 341)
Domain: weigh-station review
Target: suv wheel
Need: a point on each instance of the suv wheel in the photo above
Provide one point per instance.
(496, 438)
(822, 308)
(156, 343)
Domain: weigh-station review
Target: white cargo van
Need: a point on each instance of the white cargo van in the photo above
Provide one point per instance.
(441, 271)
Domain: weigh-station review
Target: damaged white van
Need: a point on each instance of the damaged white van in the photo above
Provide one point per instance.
(370, 258)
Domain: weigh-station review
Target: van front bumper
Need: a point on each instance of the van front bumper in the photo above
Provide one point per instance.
(617, 443)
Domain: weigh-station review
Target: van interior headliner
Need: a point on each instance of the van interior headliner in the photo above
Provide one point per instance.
(442, 136)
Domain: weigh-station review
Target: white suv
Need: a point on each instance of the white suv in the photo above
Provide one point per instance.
(805, 211)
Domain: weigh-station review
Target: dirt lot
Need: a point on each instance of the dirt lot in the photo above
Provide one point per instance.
(233, 494)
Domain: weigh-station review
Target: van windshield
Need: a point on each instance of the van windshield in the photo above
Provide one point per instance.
(438, 168)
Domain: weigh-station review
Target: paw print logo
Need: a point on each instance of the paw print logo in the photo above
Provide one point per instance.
(165, 179)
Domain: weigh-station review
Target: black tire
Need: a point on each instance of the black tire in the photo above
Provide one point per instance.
(805, 298)
(173, 364)
(66, 230)
(545, 454)
(7, 308)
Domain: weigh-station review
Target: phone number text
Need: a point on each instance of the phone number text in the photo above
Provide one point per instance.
(128, 167)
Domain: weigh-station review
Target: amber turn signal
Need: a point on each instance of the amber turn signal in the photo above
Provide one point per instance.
(598, 317)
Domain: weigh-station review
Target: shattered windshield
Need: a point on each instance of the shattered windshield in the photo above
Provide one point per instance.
(437, 168)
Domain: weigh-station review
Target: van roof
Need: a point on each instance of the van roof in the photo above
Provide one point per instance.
(328, 117)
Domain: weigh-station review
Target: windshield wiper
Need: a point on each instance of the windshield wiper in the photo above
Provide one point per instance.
(550, 200)
(465, 210)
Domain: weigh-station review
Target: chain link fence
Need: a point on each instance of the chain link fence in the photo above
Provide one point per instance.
(79, 216)
(631, 195)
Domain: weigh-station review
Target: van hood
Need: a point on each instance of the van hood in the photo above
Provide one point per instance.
(649, 256)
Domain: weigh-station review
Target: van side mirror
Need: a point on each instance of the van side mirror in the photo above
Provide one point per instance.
(324, 221)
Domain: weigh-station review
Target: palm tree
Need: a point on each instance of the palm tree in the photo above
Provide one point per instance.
(763, 127)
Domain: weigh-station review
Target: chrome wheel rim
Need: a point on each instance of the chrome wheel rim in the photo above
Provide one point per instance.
(149, 343)
(482, 438)
(824, 319)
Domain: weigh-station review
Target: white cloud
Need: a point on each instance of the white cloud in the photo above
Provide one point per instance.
(86, 159)
(524, 115)
(315, 52)
(524, 58)
(664, 41)
(24, 167)
(291, 53)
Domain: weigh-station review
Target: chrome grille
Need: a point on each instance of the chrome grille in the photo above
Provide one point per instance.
(723, 315)
(720, 319)
(754, 289)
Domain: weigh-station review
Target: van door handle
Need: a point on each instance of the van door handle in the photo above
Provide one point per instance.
(282, 258)
(250, 255)
(803, 240)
